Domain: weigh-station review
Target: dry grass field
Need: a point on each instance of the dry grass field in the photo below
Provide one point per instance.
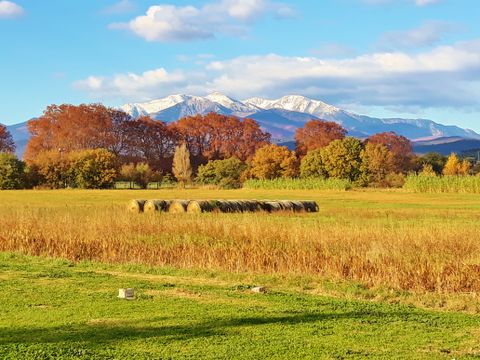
(391, 239)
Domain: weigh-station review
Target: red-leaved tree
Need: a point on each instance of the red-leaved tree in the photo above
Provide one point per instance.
(6, 142)
(400, 147)
(317, 134)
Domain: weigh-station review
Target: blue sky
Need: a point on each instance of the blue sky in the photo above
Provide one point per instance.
(406, 58)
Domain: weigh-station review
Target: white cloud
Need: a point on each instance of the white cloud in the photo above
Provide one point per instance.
(446, 76)
(185, 23)
(427, 34)
(9, 9)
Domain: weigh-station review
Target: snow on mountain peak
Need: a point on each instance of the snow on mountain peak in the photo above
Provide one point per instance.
(296, 103)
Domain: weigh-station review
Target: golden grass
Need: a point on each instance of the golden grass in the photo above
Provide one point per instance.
(392, 239)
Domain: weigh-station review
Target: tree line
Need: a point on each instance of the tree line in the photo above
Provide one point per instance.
(92, 146)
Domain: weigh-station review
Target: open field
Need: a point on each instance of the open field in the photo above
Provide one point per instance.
(58, 309)
(375, 273)
(404, 241)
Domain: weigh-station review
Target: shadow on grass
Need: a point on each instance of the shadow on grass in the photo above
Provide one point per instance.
(102, 333)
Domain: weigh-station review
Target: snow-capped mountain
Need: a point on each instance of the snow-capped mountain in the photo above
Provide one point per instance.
(281, 117)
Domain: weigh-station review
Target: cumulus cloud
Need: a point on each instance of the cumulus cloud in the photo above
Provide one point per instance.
(185, 23)
(446, 76)
(429, 33)
(9, 9)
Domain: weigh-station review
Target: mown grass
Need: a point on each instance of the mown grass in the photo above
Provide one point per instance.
(59, 309)
(443, 184)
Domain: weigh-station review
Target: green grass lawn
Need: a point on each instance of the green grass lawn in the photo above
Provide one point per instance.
(57, 309)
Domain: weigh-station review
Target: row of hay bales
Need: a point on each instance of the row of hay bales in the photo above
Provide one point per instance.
(223, 206)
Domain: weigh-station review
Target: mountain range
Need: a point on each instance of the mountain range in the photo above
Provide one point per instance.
(281, 117)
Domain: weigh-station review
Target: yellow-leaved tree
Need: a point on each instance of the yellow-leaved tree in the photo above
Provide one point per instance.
(454, 166)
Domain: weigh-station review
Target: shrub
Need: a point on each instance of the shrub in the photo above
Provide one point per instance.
(11, 172)
(93, 169)
(224, 173)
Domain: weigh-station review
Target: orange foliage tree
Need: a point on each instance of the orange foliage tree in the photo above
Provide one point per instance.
(400, 146)
(317, 134)
(6, 142)
(67, 128)
(216, 136)
(273, 161)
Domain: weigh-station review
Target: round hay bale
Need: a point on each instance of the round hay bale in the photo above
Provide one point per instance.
(136, 206)
(178, 207)
(252, 205)
(310, 206)
(287, 205)
(298, 206)
(200, 206)
(152, 206)
(263, 206)
(273, 206)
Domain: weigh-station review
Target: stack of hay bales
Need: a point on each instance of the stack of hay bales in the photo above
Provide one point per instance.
(152, 206)
(223, 206)
(178, 206)
(136, 206)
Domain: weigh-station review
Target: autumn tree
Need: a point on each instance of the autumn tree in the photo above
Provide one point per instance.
(6, 142)
(312, 165)
(454, 166)
(11, 172)
(215, 136)
(342, 158)
(140, 174)
(149, 141)
(377, 164)
(273, 161)
(68, 128)
(182, 168)
(317, 134)
(93, 169)
(400, 147)
(53, 168)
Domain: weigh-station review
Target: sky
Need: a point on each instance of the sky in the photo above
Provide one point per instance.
(383, 58)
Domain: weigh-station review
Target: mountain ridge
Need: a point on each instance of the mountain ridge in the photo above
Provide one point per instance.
(290, 112)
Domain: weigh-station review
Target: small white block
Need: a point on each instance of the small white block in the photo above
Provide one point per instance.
(127, 294)
(259, 289)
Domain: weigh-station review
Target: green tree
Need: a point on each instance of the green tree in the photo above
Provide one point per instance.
(11, 172)
(273, 161)
(93, 169)
(436, 160)
(342, 158)
(141, 174)
(182, 167)
(312, 165)
(225, 173)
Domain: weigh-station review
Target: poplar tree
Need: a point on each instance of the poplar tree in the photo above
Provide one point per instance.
(182, 168)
